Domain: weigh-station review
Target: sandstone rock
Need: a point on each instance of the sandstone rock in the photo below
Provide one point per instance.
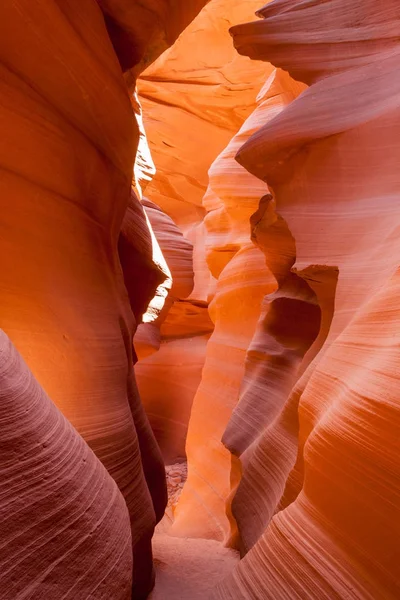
(141, 31)
(67, 151)
(193, 103)
(64, 525)
(331, 456)
(232, 197)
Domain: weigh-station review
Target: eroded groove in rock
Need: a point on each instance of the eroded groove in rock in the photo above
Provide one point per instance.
(64, 525)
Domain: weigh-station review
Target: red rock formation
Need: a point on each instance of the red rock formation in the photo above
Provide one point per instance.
(193, 103)
(331, 458)
(67, 152)
(64, 525)
(141, 31)
(293, 440)
(340, 535)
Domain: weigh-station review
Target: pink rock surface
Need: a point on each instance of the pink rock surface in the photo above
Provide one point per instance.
(67, 151)
(141, 31)
(64, 525)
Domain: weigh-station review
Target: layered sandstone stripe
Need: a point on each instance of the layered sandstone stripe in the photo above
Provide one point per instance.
(339, 538)
(331, 160)
(64, 524)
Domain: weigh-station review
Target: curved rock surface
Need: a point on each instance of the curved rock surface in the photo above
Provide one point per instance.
(331, 456)
(64, 525)
(340, 535)
(284, 317)
(193, 103)
(67, 152)
(166, 380)
(141, 31)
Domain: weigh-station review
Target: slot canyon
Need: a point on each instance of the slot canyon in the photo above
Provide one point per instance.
(200, 300)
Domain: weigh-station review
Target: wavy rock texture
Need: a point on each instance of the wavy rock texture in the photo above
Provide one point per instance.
(333, 487)
(64, 525)
(288, 325)
(193, 103)
(67, 151)
(243, 280)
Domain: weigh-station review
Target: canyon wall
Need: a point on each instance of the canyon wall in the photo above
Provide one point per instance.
(261, 261)
(67, 149)
(317, 506)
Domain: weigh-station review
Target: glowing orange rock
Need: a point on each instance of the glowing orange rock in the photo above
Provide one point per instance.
(67, 152)
(193, 103)
(243, 280)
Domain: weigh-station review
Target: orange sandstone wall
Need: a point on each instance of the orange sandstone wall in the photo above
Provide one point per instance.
(67, 151)
(330, 515)
(243, 280)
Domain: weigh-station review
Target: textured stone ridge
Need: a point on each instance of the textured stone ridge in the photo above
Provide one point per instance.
(64, 525)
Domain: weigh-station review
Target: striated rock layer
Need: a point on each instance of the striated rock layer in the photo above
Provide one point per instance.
(64, 525)
(324, 473)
